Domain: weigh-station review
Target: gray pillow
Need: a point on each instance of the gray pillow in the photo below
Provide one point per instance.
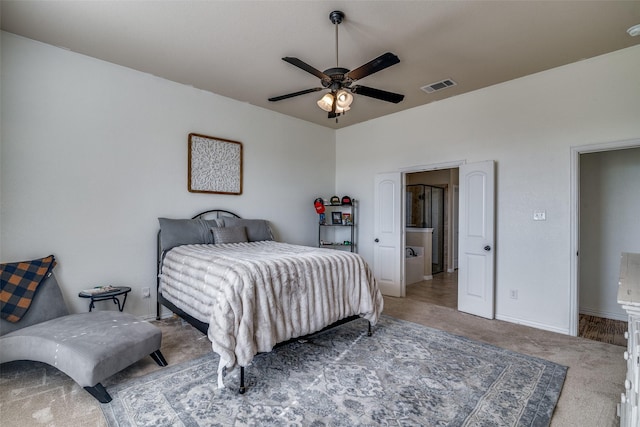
(176, 232)
(229, 234)
(257, 229)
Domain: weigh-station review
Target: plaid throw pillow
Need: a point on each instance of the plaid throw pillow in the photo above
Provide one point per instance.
(20, 282)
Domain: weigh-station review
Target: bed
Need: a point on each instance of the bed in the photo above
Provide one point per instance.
(229, 278)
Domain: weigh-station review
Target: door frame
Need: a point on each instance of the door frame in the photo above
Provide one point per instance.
(454, 215)
(574, 256)
(422, 168)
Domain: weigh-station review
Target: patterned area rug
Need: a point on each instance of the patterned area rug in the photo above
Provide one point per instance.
(405, 374)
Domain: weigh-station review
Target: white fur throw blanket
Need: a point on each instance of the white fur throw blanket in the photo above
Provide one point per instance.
(255, 295)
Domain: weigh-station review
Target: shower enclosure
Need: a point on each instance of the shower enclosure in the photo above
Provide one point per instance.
(425, 209)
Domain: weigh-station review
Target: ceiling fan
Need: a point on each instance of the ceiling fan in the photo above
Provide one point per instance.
(339, 80)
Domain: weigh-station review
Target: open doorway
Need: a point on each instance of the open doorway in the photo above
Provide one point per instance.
(476, 236)
(608, 226)
(603, 192)
(431, 220)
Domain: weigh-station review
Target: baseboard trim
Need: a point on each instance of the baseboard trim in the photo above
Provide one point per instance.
(165, 313)
(429, 277)
(537, 325)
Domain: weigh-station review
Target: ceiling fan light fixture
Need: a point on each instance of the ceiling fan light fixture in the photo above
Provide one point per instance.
(343, 100)
(634, 31)
(326, 102)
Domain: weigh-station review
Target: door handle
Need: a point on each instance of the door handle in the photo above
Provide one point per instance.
(377, 240)
(487, 248)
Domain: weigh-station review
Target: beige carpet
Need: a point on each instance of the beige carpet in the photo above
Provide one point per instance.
(33, 394)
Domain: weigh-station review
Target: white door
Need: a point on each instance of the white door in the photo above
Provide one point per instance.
(388, 254)
(476, 244)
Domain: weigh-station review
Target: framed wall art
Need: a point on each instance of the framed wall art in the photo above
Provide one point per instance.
(215, 165)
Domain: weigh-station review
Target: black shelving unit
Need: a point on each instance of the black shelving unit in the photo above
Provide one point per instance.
(338, 231)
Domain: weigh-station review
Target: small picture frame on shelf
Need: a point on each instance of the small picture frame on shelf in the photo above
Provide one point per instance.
(346, 218)
(336, 218)
(322, 219)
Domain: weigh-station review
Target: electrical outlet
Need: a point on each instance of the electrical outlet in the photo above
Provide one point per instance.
(513, 293)
(539, 215)
(146, 293)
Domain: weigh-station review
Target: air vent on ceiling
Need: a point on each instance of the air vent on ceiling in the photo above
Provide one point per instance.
(443, 84)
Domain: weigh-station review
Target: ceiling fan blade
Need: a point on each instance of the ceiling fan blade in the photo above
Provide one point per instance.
(377, 93)
(380, 63)
(306, 67)
(291, 95)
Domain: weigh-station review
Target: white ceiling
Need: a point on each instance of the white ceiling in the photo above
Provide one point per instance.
(234, 48)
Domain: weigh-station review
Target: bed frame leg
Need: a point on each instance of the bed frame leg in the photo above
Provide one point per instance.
(369, 333)
(242, 387)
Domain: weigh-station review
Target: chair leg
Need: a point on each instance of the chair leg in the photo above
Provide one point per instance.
(159, 358)
(99, 392)
(242, 389)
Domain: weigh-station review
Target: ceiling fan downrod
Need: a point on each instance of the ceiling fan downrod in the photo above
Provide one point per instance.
(336, 18)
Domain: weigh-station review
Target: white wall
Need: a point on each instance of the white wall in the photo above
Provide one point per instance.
(528, 127)
(609, 225)
(92, 153)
